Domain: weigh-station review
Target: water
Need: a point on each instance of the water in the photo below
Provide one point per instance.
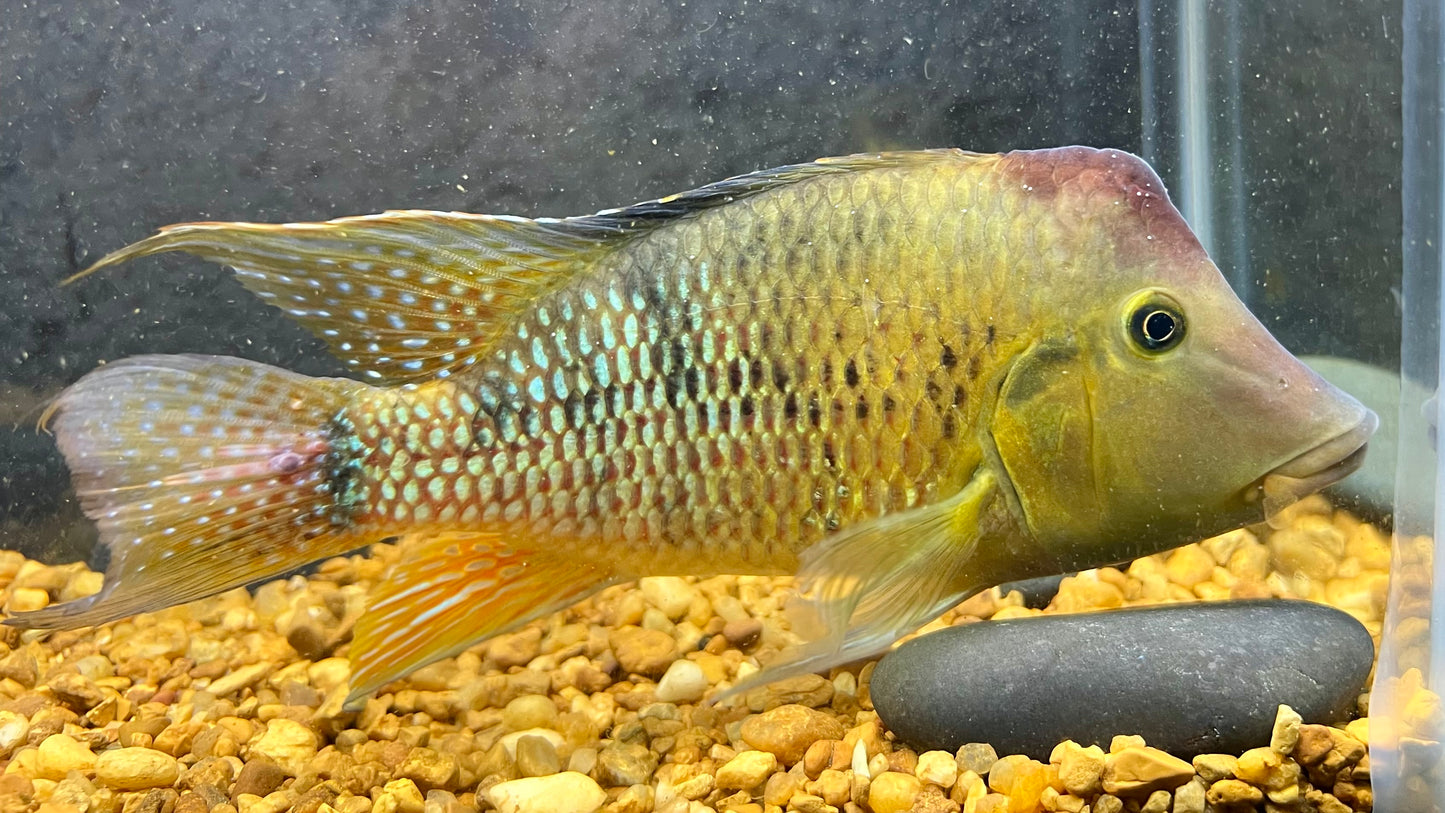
(1278, 128)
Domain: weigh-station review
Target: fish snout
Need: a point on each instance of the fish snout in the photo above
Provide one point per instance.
(1320, 466)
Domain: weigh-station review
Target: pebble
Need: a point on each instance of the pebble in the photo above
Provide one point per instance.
(1233, 792)
(258, 778)
(937, 768)
(59, 754)
(893, 792)
(1140, 770)
(787, 731)
(621, 764)
(1059, 678)
(743, 633)
(510, 741)
(21, 667)
(1081, 770)
(643, 651)
(238, 679)
(1189, 566)
(397, 796)
(431, 769)
(978, 757)
(14, 730)
(136, 769)
(566, 792)
(536, 756)
(287, 743)
(1285, 736)
(529, 711)
(1190, 797)
(683, 682)
(671, 595)
(746, 770)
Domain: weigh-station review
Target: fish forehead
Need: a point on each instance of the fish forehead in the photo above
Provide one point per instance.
(1119, 194)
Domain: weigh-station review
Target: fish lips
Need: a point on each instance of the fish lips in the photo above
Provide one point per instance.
(1320, 466)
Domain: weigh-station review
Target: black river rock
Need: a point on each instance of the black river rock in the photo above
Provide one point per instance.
(1191, 678)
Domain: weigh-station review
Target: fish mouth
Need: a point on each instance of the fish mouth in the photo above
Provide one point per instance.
(1321, 466)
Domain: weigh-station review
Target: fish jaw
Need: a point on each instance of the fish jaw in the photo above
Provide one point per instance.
(1317, 468)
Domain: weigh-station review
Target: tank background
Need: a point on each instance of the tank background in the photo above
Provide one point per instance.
(118, 118)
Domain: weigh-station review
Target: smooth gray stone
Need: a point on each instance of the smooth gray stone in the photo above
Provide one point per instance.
(1191, 678)
(1038, 591)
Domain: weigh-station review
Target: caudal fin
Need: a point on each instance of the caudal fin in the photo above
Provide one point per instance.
(203, 473)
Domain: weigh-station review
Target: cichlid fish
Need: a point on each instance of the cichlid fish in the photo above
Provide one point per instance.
(905, 377)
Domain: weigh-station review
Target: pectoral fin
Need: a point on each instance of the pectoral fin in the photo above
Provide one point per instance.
(872, 584)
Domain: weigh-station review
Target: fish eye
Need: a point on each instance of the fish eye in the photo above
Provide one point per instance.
(1156, 324)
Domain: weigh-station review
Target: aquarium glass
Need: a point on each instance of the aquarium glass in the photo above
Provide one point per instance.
(1301, 140)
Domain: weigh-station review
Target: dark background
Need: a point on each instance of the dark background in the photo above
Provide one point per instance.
(117, 118)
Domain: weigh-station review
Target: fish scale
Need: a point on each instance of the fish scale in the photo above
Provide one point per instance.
(904, 377)
(867, 432)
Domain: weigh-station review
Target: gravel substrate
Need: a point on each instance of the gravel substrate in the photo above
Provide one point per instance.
(232, 705)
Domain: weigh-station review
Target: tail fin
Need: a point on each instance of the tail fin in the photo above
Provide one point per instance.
(203, 473)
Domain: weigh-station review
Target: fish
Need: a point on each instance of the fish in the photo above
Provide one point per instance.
(903, 377)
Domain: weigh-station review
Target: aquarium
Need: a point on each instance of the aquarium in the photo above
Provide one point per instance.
(905, 479)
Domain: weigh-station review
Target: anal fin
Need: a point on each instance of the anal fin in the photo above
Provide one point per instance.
(870, 585)
(454, 589)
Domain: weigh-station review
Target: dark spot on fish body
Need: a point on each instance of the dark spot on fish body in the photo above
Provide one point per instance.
(679, 356)
(988, 335)
(861, 409)
(825, 373)
(850, 373)
(830, 458)
(950, 425)
(960, 395)
(745, 406)
(509, 423)
(488, 398)
(612, 398)
(888, 403)
(815, 411)
(342, 466)
(735, 375)
(974, 366)
(531, 420)
(790, 406)
(672, 384)
(692, 382)
(592, 402)
(948, 359)
(755, 373)
(934, 391)
(780, 378)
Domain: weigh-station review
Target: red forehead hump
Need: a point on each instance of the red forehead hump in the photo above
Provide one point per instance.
(1084, 183)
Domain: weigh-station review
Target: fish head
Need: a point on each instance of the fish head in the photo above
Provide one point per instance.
(1155, 409)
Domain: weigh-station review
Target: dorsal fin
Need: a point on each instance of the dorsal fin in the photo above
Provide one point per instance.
(411, 295)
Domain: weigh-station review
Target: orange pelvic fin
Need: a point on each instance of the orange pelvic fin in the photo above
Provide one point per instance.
(455, 589)
(202, 473)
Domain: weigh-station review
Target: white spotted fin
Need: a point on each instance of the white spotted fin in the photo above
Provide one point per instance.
(399, 296)
(202, 473)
